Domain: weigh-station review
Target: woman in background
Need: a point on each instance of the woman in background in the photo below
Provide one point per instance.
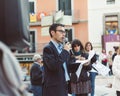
(116, 48)
(110, 61)
(103, 57)
(116, 72)
(81, 85)
(93, 71)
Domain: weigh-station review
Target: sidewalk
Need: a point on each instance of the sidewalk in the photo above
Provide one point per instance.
(101, 88)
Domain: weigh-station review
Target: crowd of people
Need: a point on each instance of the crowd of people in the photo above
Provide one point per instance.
(55, 76)
(64, 68)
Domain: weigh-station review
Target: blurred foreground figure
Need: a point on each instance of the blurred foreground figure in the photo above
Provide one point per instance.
(11, 83)
(116, 72)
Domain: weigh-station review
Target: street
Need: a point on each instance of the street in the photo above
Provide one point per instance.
(101, 88)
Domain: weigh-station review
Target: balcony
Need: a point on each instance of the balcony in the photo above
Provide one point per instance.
(37, 17)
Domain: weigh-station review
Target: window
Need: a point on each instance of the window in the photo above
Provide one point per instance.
(111, 24)
(110, 1)
(32, 6)
(32, 42)
(65, 5)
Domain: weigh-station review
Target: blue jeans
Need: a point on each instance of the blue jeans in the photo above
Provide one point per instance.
(73, 94)
(37, 90)
(92, 78)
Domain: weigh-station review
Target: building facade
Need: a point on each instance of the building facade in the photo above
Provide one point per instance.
(97, 21)
(104, 23)
(77, 9)
(74, 8)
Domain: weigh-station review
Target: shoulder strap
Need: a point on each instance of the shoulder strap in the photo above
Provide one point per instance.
(94, 68)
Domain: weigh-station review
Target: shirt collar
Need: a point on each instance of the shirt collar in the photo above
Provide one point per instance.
(55, 43)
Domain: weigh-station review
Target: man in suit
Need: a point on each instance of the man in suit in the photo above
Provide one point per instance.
(55, 59)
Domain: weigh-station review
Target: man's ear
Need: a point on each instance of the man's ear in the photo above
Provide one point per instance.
(52, 32)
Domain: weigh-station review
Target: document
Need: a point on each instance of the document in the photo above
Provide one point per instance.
(91, 54)
(102, 69)
(80, 66)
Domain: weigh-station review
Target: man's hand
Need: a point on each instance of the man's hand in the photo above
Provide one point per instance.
(67, 46)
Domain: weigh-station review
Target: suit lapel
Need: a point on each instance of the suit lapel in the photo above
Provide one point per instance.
(53, 47)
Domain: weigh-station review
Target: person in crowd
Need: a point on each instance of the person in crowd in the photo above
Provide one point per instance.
(93, 71)
(110, 61)
(115, 53)
(24, 73)
(103, 57)
(116, 72)
(80, 86)
(56, 59)
(36, 75)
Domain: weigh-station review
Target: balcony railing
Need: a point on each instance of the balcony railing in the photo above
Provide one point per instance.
(74, 13)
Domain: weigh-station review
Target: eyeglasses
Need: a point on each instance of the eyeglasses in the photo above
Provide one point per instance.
(61, 31)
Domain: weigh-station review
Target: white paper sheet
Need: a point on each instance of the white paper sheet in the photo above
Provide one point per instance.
(102, 69)
(91, 54)
(80, 66)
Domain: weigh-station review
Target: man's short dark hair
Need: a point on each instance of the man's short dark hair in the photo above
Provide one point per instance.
(53, 27)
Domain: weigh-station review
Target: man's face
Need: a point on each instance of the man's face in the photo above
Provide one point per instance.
(59, 34)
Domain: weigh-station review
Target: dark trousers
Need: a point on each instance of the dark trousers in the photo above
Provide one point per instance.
(81, 95)
(37, 90)
(118, 93)
(110, 73)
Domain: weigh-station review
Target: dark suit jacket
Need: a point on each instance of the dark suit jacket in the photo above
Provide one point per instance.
(54, 79)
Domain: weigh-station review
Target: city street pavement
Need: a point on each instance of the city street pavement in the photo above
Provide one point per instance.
(101, 88)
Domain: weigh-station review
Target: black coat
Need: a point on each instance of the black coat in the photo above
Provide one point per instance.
(84, 72)
(54, 79)
(36, 74)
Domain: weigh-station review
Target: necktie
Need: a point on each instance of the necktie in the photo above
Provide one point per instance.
(60, 48)
(64, 64)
